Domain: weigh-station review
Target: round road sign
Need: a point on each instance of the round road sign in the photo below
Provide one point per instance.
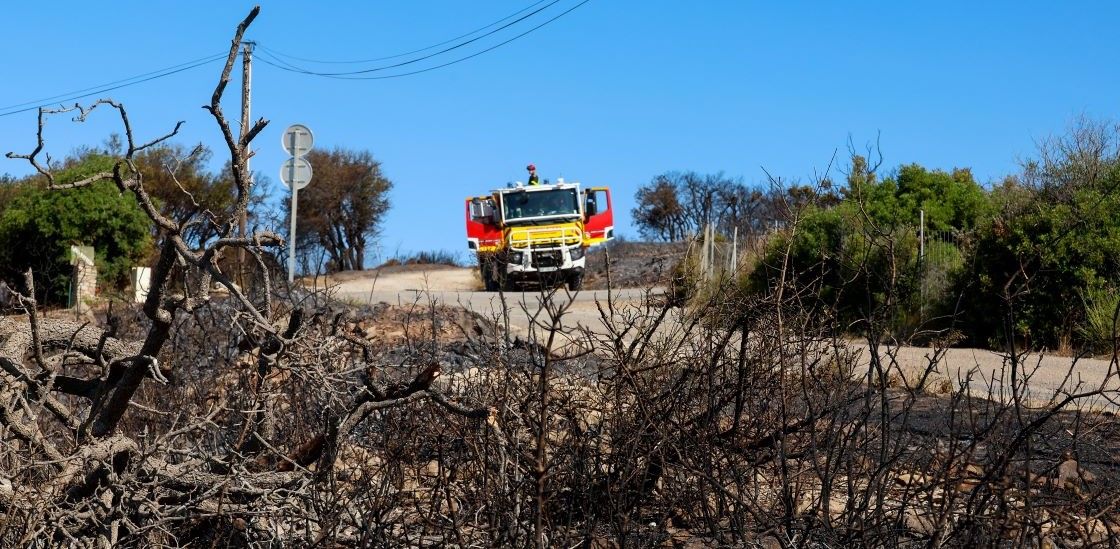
(296, 169)
(297, 140)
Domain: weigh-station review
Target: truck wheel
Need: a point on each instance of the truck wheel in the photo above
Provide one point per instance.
(575, 282)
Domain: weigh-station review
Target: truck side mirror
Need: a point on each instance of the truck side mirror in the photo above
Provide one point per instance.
(592, 206)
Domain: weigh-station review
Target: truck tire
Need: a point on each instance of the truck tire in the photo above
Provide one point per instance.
(575, 281)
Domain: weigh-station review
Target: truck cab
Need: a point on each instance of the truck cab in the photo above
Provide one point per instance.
(537, 233)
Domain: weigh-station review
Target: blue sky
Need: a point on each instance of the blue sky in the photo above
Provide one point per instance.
(611, 94)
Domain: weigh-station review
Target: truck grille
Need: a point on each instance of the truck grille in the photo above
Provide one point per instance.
(548, 259)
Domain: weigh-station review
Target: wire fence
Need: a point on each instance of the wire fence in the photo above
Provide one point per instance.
(938, 255)
(725, 255)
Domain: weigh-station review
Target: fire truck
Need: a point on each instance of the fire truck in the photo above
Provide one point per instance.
(537, 233)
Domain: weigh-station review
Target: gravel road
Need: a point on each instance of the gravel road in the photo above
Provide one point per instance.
(459, 287)
(456, 286)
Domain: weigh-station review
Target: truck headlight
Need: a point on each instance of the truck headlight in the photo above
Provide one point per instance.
(516, 257)
(576, 253)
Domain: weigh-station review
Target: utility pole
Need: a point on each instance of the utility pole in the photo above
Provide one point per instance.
(246, 90)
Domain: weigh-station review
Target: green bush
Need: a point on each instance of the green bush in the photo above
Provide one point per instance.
(1033, 264)
(38, 226)
(860, 259)
(837, 263)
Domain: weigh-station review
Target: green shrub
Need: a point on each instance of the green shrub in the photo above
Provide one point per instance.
(860, 260)
(38, 226)
(1035, 264)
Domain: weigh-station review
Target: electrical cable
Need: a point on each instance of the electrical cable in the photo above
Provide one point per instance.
(110, 86)
(430, 55)
(35, 101)
(279, 63)
(350, 76)
(276, 54)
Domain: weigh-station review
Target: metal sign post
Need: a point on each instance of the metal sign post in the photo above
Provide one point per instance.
(295, 172)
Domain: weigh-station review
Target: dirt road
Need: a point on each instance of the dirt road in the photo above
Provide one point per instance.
(460, 287)
(1047, 376)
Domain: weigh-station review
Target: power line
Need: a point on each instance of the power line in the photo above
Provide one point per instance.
(35, 101)
(110, 86)
(277, 54)
(279, 64)
(294, 68)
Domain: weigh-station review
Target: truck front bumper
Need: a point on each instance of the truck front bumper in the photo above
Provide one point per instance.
(546, 260)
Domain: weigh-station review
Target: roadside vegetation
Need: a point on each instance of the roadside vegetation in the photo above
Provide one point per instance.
(343, 212)
(957, 256)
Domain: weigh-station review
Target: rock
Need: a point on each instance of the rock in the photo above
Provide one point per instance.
(918, 521)
(911, 479)
(1068, 476)
(603, 543)
(1071, 476)
(681, 538)
(1097, 530)
(770, 542)
(431, 469)
(967, 485)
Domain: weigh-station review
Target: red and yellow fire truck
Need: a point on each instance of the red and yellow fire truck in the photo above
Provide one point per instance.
(537, 233)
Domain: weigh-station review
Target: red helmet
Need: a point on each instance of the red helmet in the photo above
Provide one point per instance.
(531, 167)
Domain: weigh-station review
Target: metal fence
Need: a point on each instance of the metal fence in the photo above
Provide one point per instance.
(721, 255)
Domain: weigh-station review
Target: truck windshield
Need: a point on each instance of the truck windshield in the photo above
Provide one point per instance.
(535, 204)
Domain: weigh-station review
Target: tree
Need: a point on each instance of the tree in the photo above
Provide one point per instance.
(178, 179)
(183, 188)
(659, 214)
(38, 226)
(9, 187)
(702, 198)
(341, 211)
(676, 204)
(737, 420)
(951, 201)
